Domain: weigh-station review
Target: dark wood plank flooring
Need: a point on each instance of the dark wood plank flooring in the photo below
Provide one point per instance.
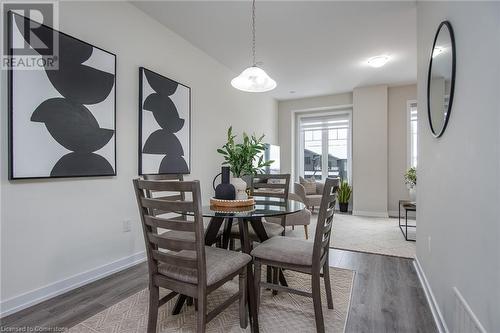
(387, 297)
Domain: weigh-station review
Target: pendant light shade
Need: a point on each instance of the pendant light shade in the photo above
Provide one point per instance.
(253, 79)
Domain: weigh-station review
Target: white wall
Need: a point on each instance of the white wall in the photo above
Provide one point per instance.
(369, 151)
(397, 144)
(459, 174)
(56, 229)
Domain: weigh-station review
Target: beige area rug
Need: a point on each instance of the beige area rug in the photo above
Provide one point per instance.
(281, 313)
(373, 235)
(365, 234)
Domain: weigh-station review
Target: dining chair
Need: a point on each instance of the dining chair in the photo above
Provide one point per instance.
(185, 265)
(175, 196)
(153, 194)
(268, 186)
(302, 256)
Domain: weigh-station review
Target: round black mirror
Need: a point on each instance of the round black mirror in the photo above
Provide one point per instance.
(441, 79)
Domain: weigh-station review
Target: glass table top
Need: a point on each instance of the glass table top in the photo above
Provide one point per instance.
(264, 207)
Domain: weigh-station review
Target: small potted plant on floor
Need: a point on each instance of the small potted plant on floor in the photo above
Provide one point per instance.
(411, 182)
(344, 194)
(244, 159)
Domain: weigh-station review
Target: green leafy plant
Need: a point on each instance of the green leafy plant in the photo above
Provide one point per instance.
(411, 177)
(244, 158)
(344, 192)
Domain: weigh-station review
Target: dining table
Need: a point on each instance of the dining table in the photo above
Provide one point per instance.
(220, 224)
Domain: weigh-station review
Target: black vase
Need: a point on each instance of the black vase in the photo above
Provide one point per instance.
(225, 190)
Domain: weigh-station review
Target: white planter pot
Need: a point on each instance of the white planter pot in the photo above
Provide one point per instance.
(240, 187)
(413, 193)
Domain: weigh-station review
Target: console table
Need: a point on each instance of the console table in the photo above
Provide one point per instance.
(408, 206)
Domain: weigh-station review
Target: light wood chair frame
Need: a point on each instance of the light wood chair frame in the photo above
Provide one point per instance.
(154, 242)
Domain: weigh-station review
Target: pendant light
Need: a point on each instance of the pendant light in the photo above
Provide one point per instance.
(253, 79)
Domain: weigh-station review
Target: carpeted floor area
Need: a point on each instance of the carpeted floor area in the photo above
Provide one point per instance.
(373, 235)
(365, 234)
(281, 313)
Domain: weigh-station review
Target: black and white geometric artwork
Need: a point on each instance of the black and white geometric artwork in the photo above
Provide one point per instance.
(62, 120)
(164, 125)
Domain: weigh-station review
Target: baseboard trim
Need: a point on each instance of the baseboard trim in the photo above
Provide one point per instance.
(20, 302)
(368, 213)
(393, 213)
(436, 313)
(474, 321)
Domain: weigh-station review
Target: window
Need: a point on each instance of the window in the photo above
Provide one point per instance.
(412, 133)
(324, 145)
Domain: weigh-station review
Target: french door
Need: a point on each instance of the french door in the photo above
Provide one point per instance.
(324, 145)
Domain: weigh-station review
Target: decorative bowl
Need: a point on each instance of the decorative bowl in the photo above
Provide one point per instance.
(232, 203)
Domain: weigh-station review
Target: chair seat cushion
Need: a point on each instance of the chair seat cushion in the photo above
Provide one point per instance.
(288, 250)
(272, 230)
(220, 263)
(300, 218)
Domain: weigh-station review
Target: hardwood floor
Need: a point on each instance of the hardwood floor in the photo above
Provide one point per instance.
(387, 297)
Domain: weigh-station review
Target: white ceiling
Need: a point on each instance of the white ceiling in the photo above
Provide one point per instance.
(310, 47)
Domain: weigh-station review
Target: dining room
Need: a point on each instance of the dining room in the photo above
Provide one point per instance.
(85, 222)
(149, 176)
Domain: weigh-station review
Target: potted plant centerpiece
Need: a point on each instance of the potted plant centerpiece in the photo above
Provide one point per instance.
(411, 182)
(245, 158)
(344, 194)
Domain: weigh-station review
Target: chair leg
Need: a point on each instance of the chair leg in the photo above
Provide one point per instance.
(316, 295)
(269, 274)
(154, 296)
(328, 286)
(306, 232)
(293, 227)
(257, 276)
(243, 299)
(231, 244)
(201, 315)
(275, 278)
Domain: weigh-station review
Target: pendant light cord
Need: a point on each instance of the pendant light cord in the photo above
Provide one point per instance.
(253, 33)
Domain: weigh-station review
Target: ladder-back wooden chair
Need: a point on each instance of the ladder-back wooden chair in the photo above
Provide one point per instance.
(302, 256)
(268, 186)
(185, 265)
(174, 196)
(170, 196)
(272, 186)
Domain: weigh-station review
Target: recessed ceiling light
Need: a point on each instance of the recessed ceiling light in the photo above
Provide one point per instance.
(378, 61)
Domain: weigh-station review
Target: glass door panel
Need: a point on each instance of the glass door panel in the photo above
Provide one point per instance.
(312, 153)
(338, 152)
